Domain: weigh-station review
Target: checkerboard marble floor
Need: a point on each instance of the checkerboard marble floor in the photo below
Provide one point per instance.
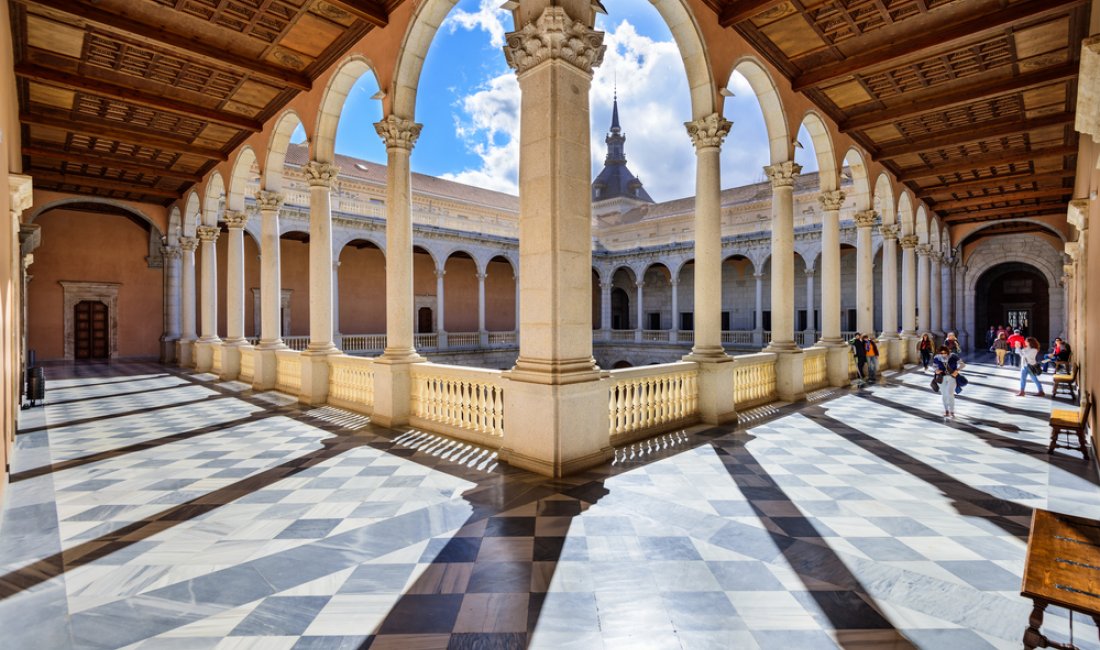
(151, 508)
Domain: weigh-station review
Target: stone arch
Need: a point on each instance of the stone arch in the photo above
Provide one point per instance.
(332, 102)
(681, 265)
(376, 238)
(239, 177)
(175, 226)
(479, 260)
(883, 201)
(920, 225)
(212, 203)
(905, 214)
(434, 256)
(828, 178)
(859, 192)
(120, 205)
(775, 118)
(272, 171)
(191, 209)
(1000, 222)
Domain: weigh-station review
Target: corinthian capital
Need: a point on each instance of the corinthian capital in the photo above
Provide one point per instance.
(783, 174)
(235, 219)
(924, 250)
(708, 131)
(266, 200)
(397, 132)
(831, 200)
(319, 174)
(208, 233)
(172, 252)
(909, 241)
(188, 244)
(554, 35)
(889, 230)
(865, 218)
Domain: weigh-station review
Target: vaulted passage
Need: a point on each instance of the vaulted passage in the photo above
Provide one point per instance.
(1015, 295)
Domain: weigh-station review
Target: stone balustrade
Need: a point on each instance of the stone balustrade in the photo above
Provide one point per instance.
(754, 379)
(652, 399)
(216, 359)
(463, 339)
(815, 371)
(248, 365)
(466, 403)
(288, 371)
(351, 382)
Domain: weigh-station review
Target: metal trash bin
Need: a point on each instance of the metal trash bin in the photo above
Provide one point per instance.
(36, 385)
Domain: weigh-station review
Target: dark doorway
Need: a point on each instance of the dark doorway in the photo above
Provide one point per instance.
(654, 320)
(90, 335)
(725, 321)
(620, 309)
(1014, 294)
(687, 320)
(424, 320)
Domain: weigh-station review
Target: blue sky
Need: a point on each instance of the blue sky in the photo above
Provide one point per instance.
(469, 105)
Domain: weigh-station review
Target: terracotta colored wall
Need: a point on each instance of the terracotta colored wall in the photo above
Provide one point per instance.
(500, 298)
(294, 259)
(10, 161)
(362, 291)
(94, 248)
(251, 281)
(460, 295)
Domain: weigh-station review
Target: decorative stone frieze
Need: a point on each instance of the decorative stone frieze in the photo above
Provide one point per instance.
(889, 230)
(554, 35)
(267, 201)
(188, 244)
(909, 241)
(865, 218)
(708, 131)
(208, 233)
(783, 174)
(321, 174)
(236, 220)
(831, 200)
(397, 132)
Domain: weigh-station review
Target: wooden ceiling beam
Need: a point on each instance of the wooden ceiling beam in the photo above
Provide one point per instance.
(1013, 212)
(187, 47)
(994, 181)
(983, 161)
(132, 96)
(101, 184)
(1002, 217)
(978, 25)
(368, 10)
(1023, 195)
(90, 158)
(974, 133)
(735, 11)
(970, 94)
(106, 130)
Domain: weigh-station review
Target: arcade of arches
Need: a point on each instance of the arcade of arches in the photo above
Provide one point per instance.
(388, 364)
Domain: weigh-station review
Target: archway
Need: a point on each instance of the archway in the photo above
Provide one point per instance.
(620, 309)
(1013, 294)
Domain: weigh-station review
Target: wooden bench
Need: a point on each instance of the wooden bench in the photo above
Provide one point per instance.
(1066, 381)
(1070, 422)
(1063, 553)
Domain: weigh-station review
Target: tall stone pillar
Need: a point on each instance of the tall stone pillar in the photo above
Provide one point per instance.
(234, 296)
(924, 309)
(1078, 217)
(965, 331)
(173, 256)
(639, 314)
(810, 330)
(553, 53)
(271, 291)
(605, 308)
(716, 404)
(865, 272)
(909, 295)
(208, 338)
(894, 349)
(788, 365)
(675, 324)
(935, 291)
(440, 308)
(320, 176)
(837, 355)
(758, 331)
(337, 339)
(185, 353)
(483, 335)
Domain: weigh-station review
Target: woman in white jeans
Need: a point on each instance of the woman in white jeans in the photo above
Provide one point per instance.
(946, 366)
(1029, 355)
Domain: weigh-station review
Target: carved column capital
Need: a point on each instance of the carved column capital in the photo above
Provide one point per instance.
(439, 273)
(554, 36)
(606, 286)
(1078, 213)
(269, 201)
(865, 218)
(783, 174)
(397, 132)
(909, 241)
(482, 276)
(208, 233)
(708, 131)
(831, 200)
(319, 174)
(889, 231)
(924, 250)
(172, 252)
(188, 244)
(236, 220)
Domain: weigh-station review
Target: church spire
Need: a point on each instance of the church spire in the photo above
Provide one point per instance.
(616, 180)
(615, 113)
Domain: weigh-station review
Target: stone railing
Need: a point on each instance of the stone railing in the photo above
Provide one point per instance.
(737, 337)
(252, 340)
(687, 336)
(288, 371)
(502, 338)
(463, 339)
(754, 379)
(426, 340)
(248, 365)
(649, 400)
(815, 372)
(847, 335)
(216, 358)
(298, 343)
(466, 403)
(622, 335)
(363, 342)
(658, 336)
(351, 382)
(767, 338)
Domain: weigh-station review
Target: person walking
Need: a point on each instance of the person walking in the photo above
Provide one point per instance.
(953, 344)
(1016, 342)
(1000, 348)
(946, 366)
(870, 347)
(925, 347)
(1029, 355)
(990, 336)
(859, 349)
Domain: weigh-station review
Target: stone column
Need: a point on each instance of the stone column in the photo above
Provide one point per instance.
(605, 309)
(337, 339)
(392, 379)
(788, 366)
(924, 309)
(675, 325)
(758, 331)
(320, 176)
(865, 272)
(234, 296)
(553, 53)
(894, 352)
(1078, 217)
(204, 347)
(185, 353)
(935, 297)
(271, 291)
(810, 329)
(639, 312)
(440, 309)
(483, 334)
(909, 295)
(960, 309)
(837, 356)
(173, 255)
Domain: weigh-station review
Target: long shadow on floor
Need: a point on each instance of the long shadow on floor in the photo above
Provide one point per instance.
(60, 425)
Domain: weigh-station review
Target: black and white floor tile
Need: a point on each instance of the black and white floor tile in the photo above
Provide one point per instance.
(150, 508)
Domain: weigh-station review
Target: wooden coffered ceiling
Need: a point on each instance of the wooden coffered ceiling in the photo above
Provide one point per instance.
(969, 102)
(137, 100)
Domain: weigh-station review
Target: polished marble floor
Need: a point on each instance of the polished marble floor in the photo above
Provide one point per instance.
(151, 508)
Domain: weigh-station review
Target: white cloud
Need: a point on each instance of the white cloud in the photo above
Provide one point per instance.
(489, 127)
(489, 18)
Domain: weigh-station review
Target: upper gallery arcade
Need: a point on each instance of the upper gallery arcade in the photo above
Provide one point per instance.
(950, 138)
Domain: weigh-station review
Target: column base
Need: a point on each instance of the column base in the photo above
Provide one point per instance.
(836, 362)
(707, 355)
(555, 372)
(789, 385)
(231, 358)
(911, 341)
(168, 347)
(314, 388)
(263, 371)
(185, 353)
(570, 433)
(895, 352)
(393, 388)
(716, 388)
(204, 354)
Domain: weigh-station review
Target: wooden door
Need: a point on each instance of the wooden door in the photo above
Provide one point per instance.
(90, 333)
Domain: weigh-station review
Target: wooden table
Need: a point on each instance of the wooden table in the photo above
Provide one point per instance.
(1062, 568)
